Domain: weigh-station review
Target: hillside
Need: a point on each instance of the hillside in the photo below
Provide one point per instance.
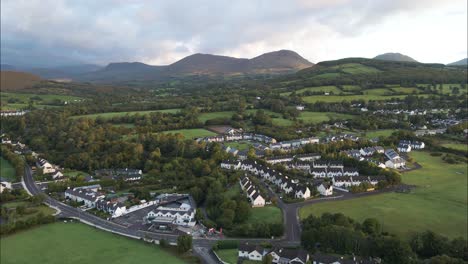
(394, 57)
(12, 81)
(459, 63)
(372, 72)
(278, 62)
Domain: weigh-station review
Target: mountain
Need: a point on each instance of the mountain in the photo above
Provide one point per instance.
(12, 80)
(63, 72)
(277, 62)
(459, 63)
(394, 57)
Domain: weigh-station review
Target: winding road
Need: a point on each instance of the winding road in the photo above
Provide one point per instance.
(201, 246)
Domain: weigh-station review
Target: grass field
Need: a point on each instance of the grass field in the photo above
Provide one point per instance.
(238, 145)
(323, 89)
(356, 68)
(318, 117)
(267, 214)
(116, 114)
(191, 133)
(6, 170)
(456, 146)
(228, 255)
(25, 97)
(74, 243)
(207, 116)
(379, 133)
(377, 91)
(439, 203)
(338, 98)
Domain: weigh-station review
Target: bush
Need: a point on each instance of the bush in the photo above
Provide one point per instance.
(226, 244)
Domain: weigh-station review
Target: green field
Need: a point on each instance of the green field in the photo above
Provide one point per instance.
(74, 243)
(355, 68)
(203, 117)
(191, 133)
(377, 91)
(318, 117)
(267, 214)
(439, 202)
(378, 133)
(238, 145)
(322, 89)
(43, 97)
(456, 146)
(339, 98)
(228, 255)
(117, 114)
(6, 170)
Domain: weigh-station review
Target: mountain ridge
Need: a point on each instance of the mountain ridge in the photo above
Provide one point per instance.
(394, 56)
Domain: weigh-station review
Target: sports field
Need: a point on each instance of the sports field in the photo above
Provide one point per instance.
(116, 114)
(6, 170)
(439, 202)
(74, 243)
(191, 133)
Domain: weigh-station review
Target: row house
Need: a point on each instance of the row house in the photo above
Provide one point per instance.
(256, 199)
(88, 197)
(413, 144)
(278, 255)
(348, 181)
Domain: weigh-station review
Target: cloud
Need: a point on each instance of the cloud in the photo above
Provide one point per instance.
(46, 32)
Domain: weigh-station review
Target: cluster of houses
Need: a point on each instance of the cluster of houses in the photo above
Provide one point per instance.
(4, 184)
(400, 112)
(252, 192)
(341, 137)
(281, 255)
(348, 181)
(287, 185)
(331, 169)
(7, 113)
(448, 122)
(405, 146)
(296, 143)
(115, 174)
(232, 134)
(172, 210)
(166, 210)
(290, 158)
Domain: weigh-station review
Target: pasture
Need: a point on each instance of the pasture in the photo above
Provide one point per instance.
(318, 117)
(439, 203)
(75, 243)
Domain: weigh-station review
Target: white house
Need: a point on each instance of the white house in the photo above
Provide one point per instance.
(174, 210)
(88, 197)
(257, 200)
(57, 175)
(287, 255)
(251, 252)
(325, 189)
(301, 191)
(46, 166)
(4, 184)
(300, 107)
(404, 148)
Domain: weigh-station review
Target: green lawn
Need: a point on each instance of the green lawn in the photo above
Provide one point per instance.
(238, 145)
(439, 203)
(228, 255)
(116, 114)
(74, 243)
(6, 170)
(191, 133)
(318, 117)
(267, 214)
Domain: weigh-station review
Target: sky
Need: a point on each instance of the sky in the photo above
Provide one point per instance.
(67, 32)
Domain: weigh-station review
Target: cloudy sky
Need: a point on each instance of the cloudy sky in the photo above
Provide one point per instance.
(61, 32)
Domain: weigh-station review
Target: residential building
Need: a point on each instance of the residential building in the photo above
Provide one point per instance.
(289, 255)
(172, 210)
(125, 174)
(251, 252)
(45, 166)
(4, 184)
(88, 197)
(325, 189)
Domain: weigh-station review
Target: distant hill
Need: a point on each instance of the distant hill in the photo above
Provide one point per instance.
(12, 80)
(459, 63)
(69, 71)
(7, 67)
(394, 57)
(364, 71)
(277, 62)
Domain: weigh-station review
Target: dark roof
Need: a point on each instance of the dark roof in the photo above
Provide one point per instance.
(324, 258)
(290, 253)
(250, 247)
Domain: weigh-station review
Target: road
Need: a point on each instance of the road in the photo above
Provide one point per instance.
(201, 246)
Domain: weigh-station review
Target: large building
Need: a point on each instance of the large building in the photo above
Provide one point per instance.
(87, 196)
(172, 210)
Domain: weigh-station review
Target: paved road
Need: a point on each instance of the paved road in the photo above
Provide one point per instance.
(201, 246)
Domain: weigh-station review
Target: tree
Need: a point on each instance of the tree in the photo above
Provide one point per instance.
(242, 212)
(38, 199)
(371, 226)
(184, 243)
